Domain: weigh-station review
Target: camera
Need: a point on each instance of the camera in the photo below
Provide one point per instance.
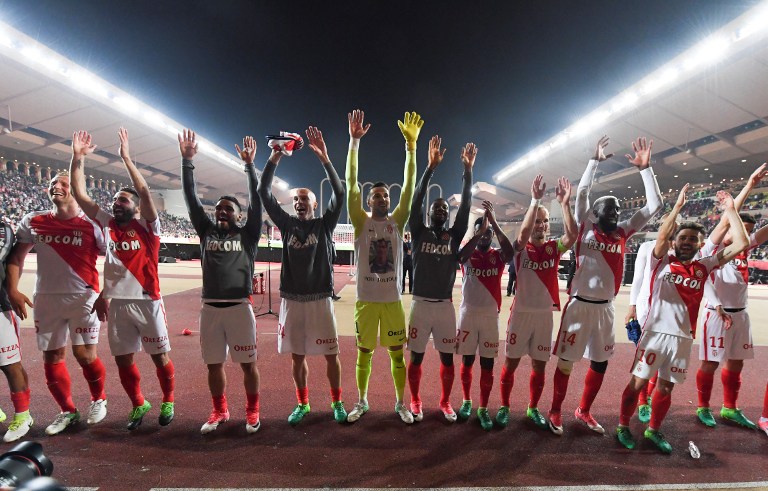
(23, 463)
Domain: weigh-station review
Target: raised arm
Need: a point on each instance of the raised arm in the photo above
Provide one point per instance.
(507, 250)
(410, 126)
(653, 204)
(563, 195)
(357, 130)
(461, 223)
(416, 218)
(526, 228)
(466, 252)
(757, 176)
(317, 145)
(272, 207)
(197, 215)
(641, 261)
(739, 237)
(146, 203)
(247, 154)
(82, 145)
(667, 229)
(588, 178)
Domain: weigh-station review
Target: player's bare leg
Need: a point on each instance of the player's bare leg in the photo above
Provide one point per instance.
(333, 372)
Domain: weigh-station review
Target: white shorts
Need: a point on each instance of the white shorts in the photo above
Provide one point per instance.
(10, 348)
(529, 333)
(307, 328)
(666, 353)
(478, 333)
(435, 318)
(720, 344)
(227, 329)
(59, 315)
(586, 330)
(134, 324)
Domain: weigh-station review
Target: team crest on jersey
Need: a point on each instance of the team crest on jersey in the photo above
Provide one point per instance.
(615, 236)
(445, 236)
(492, 260)
(548, 250)
(699, 273)
(131, 233)
(390, 229)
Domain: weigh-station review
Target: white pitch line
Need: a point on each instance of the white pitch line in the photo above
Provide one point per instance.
(601, 487)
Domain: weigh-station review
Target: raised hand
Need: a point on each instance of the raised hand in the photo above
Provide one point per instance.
(642, 149)
(600, 149)
(724, 200)
(357, 128)
(82, 144)
(248, 152)
(538, 187)
(468, 154)
(410, 126)
(759, 174)
(125, 153)
(187, 144)
(490, 216)
(681, 198)
(563, 190)
(435, 154)
(317, 144)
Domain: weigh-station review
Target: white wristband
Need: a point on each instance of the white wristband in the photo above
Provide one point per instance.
(354, 143)
(535, 202)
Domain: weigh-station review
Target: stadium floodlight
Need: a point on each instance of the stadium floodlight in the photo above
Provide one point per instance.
(724, 43)
(281, 184)
(128, 104)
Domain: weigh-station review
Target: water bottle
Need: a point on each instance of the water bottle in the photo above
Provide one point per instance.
(694, 450)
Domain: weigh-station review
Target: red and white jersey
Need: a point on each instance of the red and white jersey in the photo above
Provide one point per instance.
(727, 286)
(537, 286)
(676, 293)
(481, 281)
(130, 271)
(599, 261)
(66, 251)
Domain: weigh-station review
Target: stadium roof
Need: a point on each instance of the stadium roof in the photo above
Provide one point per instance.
(45, 97)
(706, 111)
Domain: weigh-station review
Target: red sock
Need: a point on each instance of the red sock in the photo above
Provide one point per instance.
(335, 394)
(302, 395)
(629, 400)
(414, 381)
(704, 382)
(592, 383)
(60, 385)
(642, 396)
(220, 403)
(486, 384)
(765, 402)
(95, 374)
(651, 385)
(131, 380)
(506, 382)
(559, 389)
(447, 374)
(167, 377)
(252, 404)
(536, 387)
(660, 406)
(20, 401)
(466, 381)
(731, 386)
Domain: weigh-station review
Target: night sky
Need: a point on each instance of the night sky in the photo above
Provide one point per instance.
(506, 75)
